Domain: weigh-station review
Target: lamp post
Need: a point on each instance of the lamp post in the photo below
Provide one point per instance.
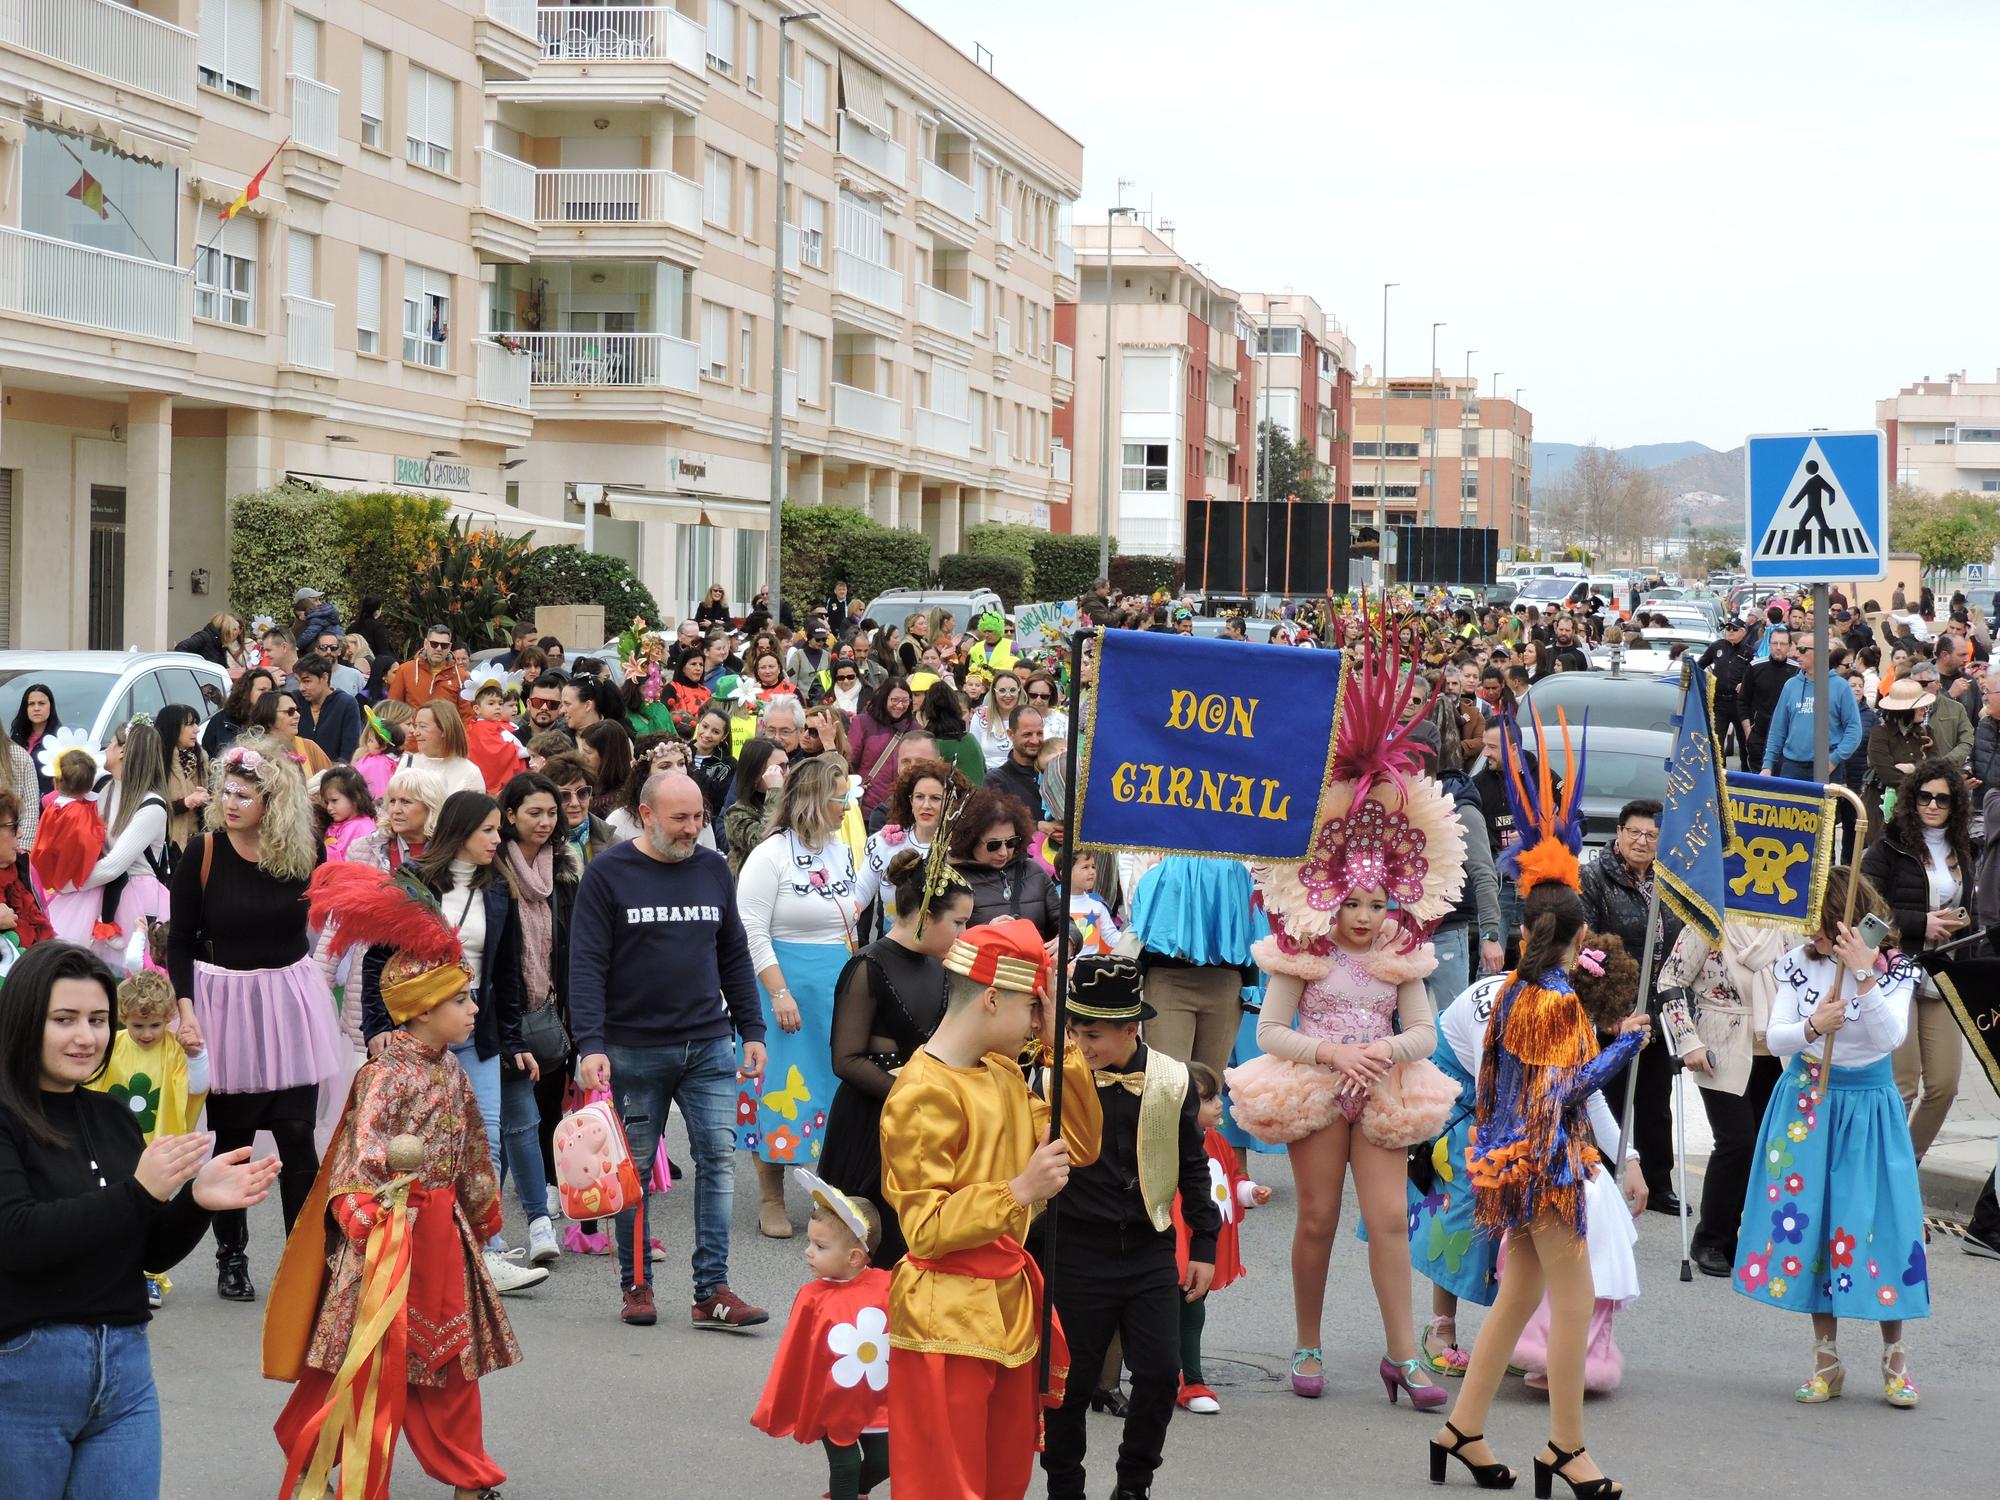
(1431, 477)
(1459, 499)
(773, 543)
(1104, 405)
(1382, 427)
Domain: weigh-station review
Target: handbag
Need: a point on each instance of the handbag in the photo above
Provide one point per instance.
(543, 1034)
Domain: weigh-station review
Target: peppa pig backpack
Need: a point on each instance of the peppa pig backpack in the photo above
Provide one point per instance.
(595, 1172)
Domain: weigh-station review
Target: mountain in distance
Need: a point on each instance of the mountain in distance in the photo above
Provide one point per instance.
(1681, 468)
(1552, 460)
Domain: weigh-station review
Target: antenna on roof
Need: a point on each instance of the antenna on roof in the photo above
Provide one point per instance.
(983, 56)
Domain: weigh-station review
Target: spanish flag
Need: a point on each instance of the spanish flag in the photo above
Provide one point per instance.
(90, 193)
(253, 189)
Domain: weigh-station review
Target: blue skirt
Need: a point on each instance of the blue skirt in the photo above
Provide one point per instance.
(1196, 910)
(1446, 1247)
(1834, 1223)
(782, 1115)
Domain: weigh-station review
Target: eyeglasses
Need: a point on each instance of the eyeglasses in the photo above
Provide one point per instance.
(574, 794)
(845, 678)
(1041, 697)
(438, 645)
(1642, 835)
(1933, 799)
(993, 846)
(537, 702)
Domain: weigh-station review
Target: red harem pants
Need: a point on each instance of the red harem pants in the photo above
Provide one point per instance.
(442, 1424)
(991, 1413)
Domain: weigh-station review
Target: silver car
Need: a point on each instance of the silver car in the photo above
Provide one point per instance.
(98, 690)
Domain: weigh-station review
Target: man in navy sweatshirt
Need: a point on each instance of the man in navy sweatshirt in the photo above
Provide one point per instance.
(660, 988)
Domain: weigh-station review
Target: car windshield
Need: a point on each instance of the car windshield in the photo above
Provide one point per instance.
(78, 695)
(1621, 775)
(1612, 702)
(1552, 587)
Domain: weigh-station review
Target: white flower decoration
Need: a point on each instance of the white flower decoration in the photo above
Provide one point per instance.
(479, 676)
(863, 1347)
(1218, 1189)
(55, 746)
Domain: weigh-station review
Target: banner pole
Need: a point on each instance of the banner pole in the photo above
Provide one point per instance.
(1053, 1074)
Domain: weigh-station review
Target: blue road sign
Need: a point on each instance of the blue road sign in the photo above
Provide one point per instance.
(1819, 507)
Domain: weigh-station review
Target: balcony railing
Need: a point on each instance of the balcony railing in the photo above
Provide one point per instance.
(45, 278)
(1001, 445)
(1006, 234)
(795, 105)
(620, 195)
(617, 359)
(943, 311)
(1003, 337)
(1066, 259)
(315, 114)
(942, 433)
(870, 282)
(308, 333)
(1065, 363)
(952, 194)
(506, 185)
(519, 14)
(113, 41)
(791, 393)
(1059, 465)
(858, 143)
(622, 33)
(865, 412)
(505, 375)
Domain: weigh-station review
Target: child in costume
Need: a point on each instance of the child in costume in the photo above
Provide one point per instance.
(1233, 1195)
(70, 839)
(349, 809)
(380, 750)
(1350, 1087)
(388, 1246)
(830, 1379)
(1087, 909)
(1834, 1225)
(965, 1164)
(1112, 1271)
(490, 743)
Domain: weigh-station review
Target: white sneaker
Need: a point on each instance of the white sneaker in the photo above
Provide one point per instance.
(555, 1202)
(509, 1278)
(542, 1246)
(1205, 1405)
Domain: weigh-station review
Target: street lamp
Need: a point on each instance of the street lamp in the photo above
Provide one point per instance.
(1382, 428)
(773, 543)
(1104, 403)
(1431, 478)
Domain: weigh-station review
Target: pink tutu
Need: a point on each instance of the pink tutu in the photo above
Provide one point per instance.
(74, 913)
(1280, 1101)
(269, 1029)
(1409, 1105)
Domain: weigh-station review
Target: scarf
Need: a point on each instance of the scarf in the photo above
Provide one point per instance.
(533, 885)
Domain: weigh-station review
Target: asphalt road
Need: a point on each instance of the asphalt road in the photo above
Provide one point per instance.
(602, 1410)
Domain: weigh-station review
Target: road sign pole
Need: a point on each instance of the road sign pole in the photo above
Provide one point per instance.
(1821, 609)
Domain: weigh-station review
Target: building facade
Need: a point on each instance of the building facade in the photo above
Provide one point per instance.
(1944, 434)
(1438, 453)
(1305, 381)
(520, 256)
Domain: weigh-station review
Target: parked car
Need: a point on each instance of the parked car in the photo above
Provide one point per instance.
(1626, 740)
(1558, 589)
(1209, 627)
(1501, 594)
(99, 690)
(966, 605)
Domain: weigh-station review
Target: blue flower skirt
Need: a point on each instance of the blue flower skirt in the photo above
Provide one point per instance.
(782, 1116)
(1446, 1247)
(1833, 1221)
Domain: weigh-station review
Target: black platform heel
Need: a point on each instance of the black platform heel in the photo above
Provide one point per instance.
(1604, 1487)
(1486, 1476)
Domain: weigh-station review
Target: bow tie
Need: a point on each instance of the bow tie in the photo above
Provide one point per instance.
(1132, 1083)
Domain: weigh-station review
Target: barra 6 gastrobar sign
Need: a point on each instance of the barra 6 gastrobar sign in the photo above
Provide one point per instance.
(433, 474)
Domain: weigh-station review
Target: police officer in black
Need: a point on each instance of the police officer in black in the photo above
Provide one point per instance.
(1113, 1272)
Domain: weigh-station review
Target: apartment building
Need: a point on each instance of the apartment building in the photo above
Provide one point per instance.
(1305, 380)
(1944, 434)
(1441, 455)
(573, 208)
(1180, 387)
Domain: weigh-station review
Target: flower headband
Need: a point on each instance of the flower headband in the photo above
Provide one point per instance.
(243, 758)
(1591, 961)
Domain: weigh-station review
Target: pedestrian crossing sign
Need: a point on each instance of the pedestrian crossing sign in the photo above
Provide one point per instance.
(1819, 507)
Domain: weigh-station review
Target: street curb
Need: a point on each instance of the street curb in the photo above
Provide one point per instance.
(1948, 1187)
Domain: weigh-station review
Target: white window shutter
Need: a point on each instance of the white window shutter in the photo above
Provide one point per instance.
(374, 82)
(301, 255)
(305, 46)
(368, 292)
(239, 238)
(245, 62)
(212, 48)
(417, 125)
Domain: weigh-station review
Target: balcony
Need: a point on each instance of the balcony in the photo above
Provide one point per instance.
(506, 38)
(795, 105)
(791, 394)
(941, 432)
(646, 46)
(113, 41)
(945, 205)
(1002, 445)
(944, 312)
(308, 333)
(315, 115)
(1003, 338)
(625, 195)
(882, 157)
(505, 375)
(45, 278)
(1003, 238)
(1065, 363)
(501, 225)
(878, 285)
(653, 360)
(1059, 465)
(864, 412)
(1066, 259)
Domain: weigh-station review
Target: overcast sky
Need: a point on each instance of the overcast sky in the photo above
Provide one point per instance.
(1665, 222)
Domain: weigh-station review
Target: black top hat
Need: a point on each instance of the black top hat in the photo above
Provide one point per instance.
(1106, 989)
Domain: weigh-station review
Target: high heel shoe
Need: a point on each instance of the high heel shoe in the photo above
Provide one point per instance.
(1110, 1400)
(1309, 1386)
(1827, 1377)
(1494, 1476)
(1396, 1375)
(1897, 1387)
(1604, 1487)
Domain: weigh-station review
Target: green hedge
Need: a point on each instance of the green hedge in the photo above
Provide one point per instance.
(1065, 565)
(1139, 573)
(1006, 539)
(826, 543)
(974, 570)
(566, 574)
(384, 539)
(283, 539)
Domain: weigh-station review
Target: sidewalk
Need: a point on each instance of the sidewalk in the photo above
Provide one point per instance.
(1953, 1170)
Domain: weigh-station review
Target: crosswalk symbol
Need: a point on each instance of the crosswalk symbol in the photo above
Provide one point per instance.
(1816, 509)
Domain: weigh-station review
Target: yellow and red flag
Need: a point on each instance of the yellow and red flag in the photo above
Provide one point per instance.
(252, 190)
(90, 193)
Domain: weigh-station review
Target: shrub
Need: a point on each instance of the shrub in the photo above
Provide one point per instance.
(1007, 539)
(282, 539)
(974, 570)
(385, 539)
(466, 581)
(567, 574)
(1065, 565)
(826, 543)
(1139, 573)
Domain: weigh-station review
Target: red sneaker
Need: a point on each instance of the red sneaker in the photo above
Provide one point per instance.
(639, 1310)
(723, 1309)
(1199, 1399)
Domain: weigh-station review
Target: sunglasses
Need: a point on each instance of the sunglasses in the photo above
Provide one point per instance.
(575, 794)
(1934, 799)
(545, 702)
(845, 677)
(993, 846)
(1041, 697)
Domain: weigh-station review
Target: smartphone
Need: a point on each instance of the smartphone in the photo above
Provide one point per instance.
(1874, 931)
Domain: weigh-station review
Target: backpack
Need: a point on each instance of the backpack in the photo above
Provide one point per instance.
(595, 1173)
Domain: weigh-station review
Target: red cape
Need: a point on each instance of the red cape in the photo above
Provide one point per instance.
(491, 746)
(820, 1385)
(1225, 1179)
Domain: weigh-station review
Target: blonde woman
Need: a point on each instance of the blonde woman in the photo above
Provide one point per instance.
(242, 965)
(799, 907)
(437, 742)
(410, 804)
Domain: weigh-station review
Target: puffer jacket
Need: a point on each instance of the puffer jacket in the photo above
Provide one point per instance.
(1021, 889)
(1904, 881)
(1614, 903)
(1985, 761)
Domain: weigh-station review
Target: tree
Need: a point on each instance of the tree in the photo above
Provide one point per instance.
(1605, 505)
(1295, 474)
(1945, 531)
(1713, 547)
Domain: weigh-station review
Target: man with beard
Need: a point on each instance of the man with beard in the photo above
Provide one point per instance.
(1568, 650)
(657, 906)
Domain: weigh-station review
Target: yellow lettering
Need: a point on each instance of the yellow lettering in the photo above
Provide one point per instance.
(1121, 782)
(1149, 789)
(1244, 710)
(1240, 803)
(1181, 709)
(1179, 780)
(1211, 791)
(1214, 714)
(1283, 809)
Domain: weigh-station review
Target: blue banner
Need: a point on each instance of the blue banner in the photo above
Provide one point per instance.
(1195, 746)
(1776, 864)
(1692, 830)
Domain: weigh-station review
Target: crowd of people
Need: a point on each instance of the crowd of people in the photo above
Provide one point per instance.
(802, 881)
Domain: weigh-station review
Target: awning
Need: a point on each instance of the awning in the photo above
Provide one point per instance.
(479, 508)
(686, 510)
(862, 94)
(111, 131)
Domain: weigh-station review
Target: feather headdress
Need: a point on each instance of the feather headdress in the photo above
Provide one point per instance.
(369, 906)
(1548, 830)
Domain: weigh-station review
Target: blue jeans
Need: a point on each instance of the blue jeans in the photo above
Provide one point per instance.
(1510, 911)
(701, 1078)
(1453, 946)
(1798, 770)
(521, 1144)
(79, 1416)
(485, 1076)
